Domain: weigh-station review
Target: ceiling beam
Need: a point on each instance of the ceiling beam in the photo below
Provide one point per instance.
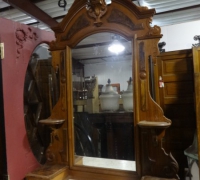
(32, 10)
(178, 10)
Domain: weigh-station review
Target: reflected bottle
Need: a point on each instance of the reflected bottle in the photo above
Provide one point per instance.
(127, 97)
(109, 99)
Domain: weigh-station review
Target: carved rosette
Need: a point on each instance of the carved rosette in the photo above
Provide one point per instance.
(22, 36)
(96, 9)
(118, 17)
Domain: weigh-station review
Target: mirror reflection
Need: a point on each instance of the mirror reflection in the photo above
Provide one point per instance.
(40, 95)
(103, 102)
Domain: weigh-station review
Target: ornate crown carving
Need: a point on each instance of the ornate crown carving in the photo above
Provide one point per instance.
(96, 9)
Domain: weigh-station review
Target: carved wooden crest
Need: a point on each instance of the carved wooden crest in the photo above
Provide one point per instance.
(96, 9)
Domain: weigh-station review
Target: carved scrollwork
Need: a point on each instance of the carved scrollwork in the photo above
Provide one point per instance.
(158, 163)
(22, 36)
(96, 9)
(154, 31)
(172, 168)
(79, 24)
(50, 155)
(118, 17)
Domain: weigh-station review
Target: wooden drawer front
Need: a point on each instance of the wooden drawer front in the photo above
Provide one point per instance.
(177, 100)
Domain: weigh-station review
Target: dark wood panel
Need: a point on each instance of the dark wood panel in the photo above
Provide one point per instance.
(184, 122)
(177, 66)
(177, 101)
(180, 134)
(178, 89)
(180, 111)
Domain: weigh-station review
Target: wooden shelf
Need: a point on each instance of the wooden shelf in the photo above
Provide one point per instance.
(53, 123)
(153, 124)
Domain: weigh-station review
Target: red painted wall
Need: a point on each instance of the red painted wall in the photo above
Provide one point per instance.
(19, 43)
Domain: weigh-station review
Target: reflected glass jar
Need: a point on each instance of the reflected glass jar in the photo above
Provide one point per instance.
(127, 97)
(109, 99)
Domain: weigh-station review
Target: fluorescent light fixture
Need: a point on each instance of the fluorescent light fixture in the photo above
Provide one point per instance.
(116, 47)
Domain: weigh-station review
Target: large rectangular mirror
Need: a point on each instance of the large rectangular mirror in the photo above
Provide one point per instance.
(103, 102)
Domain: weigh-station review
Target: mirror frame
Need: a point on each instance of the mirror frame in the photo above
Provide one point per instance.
(82, 21)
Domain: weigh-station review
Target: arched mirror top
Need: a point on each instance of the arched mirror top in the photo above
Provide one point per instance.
(122, 17)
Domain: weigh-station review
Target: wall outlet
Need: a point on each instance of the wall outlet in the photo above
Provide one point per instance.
(1, 50)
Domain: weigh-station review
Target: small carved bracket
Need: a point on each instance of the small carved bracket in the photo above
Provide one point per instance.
(96, 9)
